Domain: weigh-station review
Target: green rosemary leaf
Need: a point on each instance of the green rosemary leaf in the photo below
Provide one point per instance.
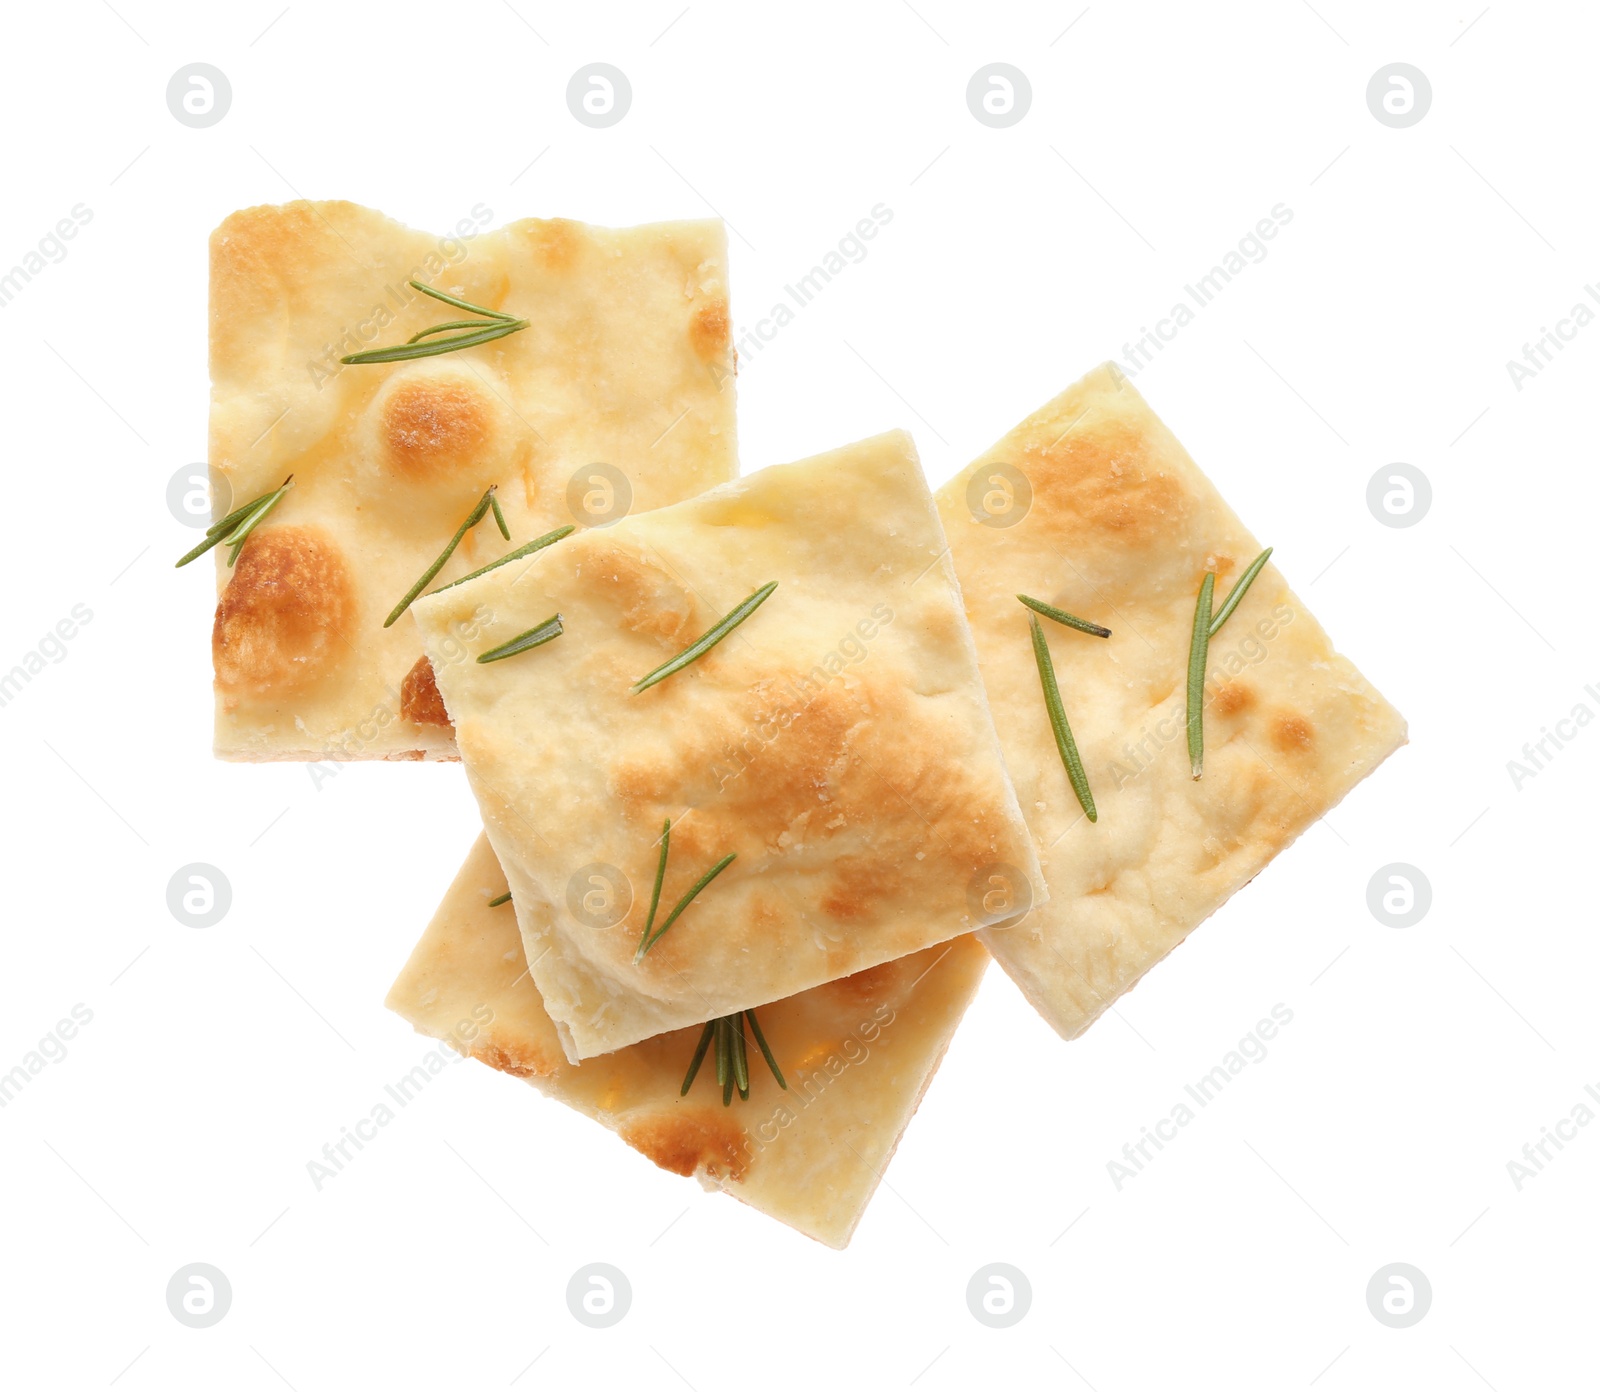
(684, 903)
(499, 517)
(503, 899)
(1237, 593)
(237, 525)
(709, 639)
(449, 328)
(478, 331)
(655, 894)
(253, 519)
(232, 520)
(198, 551)
(405, 351)
(1199, 650)
(741, 1061)
(538, 544)
(535, 637)
(236, 539)
(1066, 746)
(766, 1053)
(699, 1057)
(473, 518)
(454, 303)
(1062, 617)
(724, 1060)
(732, 1055)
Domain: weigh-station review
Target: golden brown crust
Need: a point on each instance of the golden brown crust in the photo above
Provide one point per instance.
(555, 241)
(280, 622)
(432, 426)
(691, 1141)
(648, 598)
(845, 758)
(1233, 697)
(1291, 733)
(858, 778)
(708, 330)
(518, 1065)
(1107, 483)
(420, 701)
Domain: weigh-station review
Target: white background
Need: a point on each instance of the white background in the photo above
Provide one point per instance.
(1378, 1129)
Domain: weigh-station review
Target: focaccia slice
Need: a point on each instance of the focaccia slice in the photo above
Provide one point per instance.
(1092, 506)
(617, 396)
(857, 1054)
(837, 743)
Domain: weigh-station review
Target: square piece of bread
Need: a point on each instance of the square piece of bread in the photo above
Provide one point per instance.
(837, 743)
(857, 1054)
(1092, 506)
(618, 396)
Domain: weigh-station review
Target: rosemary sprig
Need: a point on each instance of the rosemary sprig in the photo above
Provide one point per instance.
(647, 939)
(766, 1051)
(503, 899)
(537, 544)
(724, 1061)
(1066, 746)
(432, 349)
(232, 520)
(236, 527)
(473, 518)
(1237, 593)
(1205, 629)
(535, 637)
(1199, 650)
(499, 517)
(699, 1057)
(732, 1058)
(467, 305)
(741, 1062)
(491, 326)
(687, 899)
(709, 639)
(447, 328)
(236, 539)
(655, 894)
(1062, 617)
